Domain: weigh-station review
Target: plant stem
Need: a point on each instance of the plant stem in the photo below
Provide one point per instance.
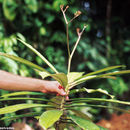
(75, 46)
(62, 103)
(70, 58)
(67, 34)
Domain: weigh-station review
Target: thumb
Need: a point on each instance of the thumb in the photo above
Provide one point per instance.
(61, 92)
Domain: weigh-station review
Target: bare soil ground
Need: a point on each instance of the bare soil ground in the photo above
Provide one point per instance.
(117, 122)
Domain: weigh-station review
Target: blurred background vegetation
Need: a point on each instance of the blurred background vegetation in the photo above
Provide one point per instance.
(105, 42)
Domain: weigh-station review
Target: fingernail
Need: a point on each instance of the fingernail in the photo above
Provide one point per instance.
(63, 93)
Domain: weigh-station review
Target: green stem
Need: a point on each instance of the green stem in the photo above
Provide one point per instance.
(72, 53)
(39, 54)
(67, 34)
(75, 46)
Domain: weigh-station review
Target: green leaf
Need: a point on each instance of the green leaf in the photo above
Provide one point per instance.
(100, 106)
(24, 98)
(83, 79)
(41, 56)
(13, 117)
(55, 102)
(9, 7)
(103, 70)
(72, 76)
(84, 124)
(21, 93)
(115, 73)
(13, 108)
(49, 117)
(60, 77)
(80, 114)
(90, 91)
(44, 75)
(98, 100)
(23, 61)
(99, 90)
(32, 5)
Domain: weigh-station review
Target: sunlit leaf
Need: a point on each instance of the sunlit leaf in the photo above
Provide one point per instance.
(103, 70)
(115, 73)
(22, 61)
(13, 108)
(44, 74)
(72, 76)
(21, 93)
(99, 100)
(99, 90)
(24, 98)
(90, 91)
(49, 117)
(40, 55)
(83, 79)
(84, 124)
(60, 77)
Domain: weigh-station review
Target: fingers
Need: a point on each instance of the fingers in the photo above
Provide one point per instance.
(60, 90)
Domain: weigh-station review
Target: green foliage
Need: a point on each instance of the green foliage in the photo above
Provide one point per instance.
(9, 7)
(84, 124)
(49, 117)
(17, 107)
(91, 51)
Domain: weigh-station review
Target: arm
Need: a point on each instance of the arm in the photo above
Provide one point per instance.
(14, 82)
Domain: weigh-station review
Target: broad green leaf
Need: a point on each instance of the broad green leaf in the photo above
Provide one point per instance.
(21, 93)
(98, 100)
(81, 80)
(60, 77)
(84, 124)
(49, 117)
(98, 90)
(23, 61)
(24, 98)
(103, 70)
(20, 116)
(40, 55)
(13, 108)
(72, 76)
(80, 114)
(90, 91)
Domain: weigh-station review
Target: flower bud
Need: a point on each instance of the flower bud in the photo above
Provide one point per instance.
(77, 13)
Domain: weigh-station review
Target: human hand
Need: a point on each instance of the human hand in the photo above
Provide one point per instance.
(52, 87)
